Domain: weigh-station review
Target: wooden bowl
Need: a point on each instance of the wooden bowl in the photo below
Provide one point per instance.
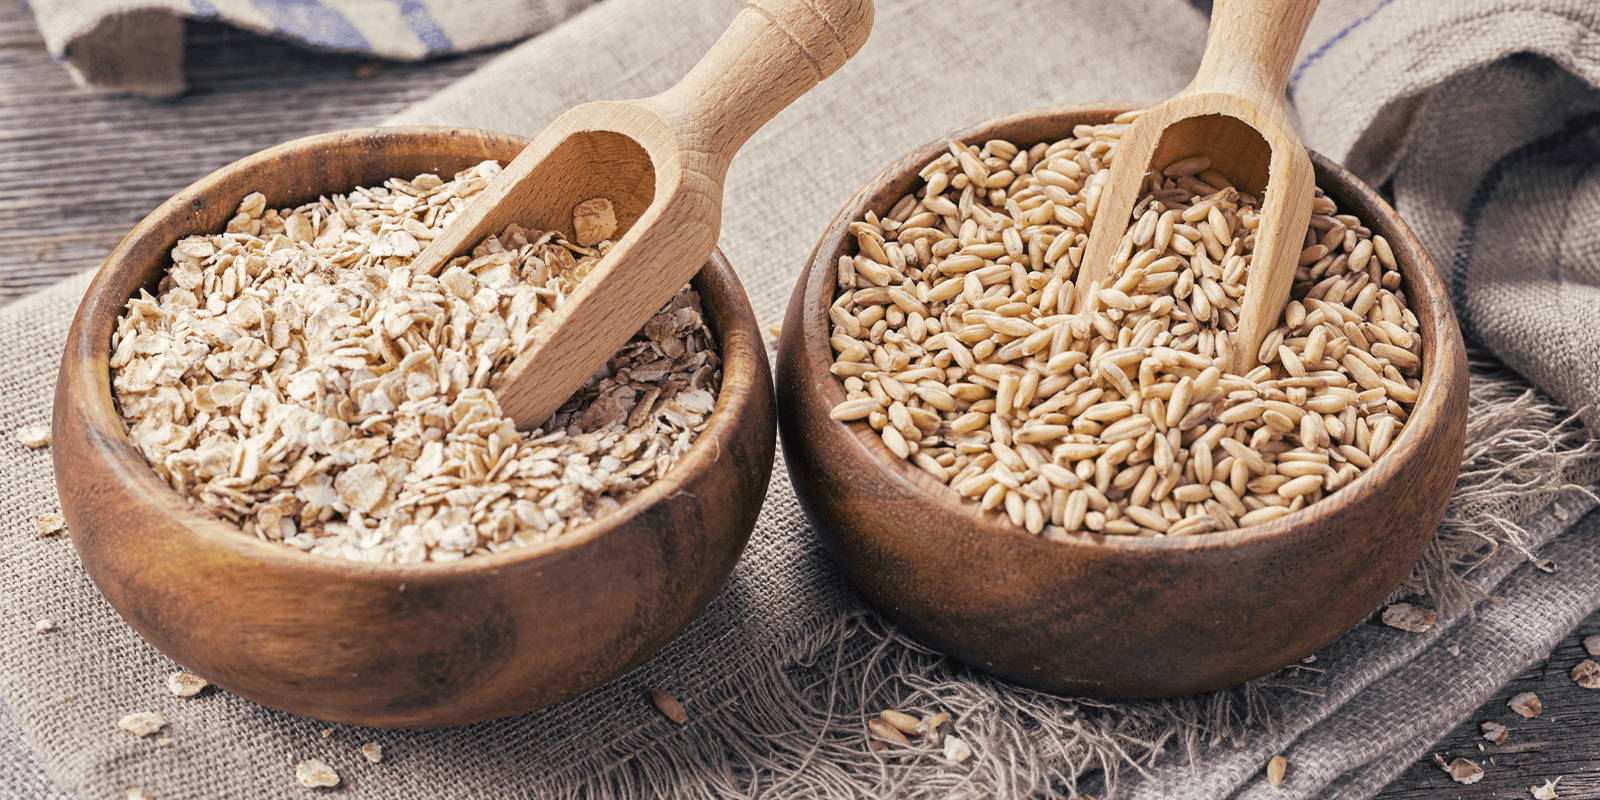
(1109, 615)
(397, 645)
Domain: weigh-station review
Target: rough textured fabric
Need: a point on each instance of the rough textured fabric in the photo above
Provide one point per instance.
(137, 45)
(781, 669)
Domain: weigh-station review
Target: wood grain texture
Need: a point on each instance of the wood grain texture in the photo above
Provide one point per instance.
(81, 168)
(396, 645)
(1234, 113)
(1111, 615)
(661, 163)
(251, 92)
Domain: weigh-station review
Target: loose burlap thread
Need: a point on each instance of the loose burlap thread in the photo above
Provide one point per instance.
(1488, 155)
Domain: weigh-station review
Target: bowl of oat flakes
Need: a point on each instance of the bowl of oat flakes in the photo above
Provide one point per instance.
(1089, 502)
(282, 460)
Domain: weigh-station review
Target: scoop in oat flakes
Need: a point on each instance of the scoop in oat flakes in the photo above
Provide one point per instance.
(294, 376)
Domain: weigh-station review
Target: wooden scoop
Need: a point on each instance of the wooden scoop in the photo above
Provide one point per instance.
(1234, 114)
(660, 162)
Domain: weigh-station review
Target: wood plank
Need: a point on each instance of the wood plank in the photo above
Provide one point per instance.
(78, 169)
(1563, 741)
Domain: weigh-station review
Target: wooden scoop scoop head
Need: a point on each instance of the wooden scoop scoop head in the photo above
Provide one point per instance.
(660, 161)
(1234, 114)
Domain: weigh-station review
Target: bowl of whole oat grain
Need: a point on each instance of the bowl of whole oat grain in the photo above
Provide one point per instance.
(283, 463)
(1086, 500)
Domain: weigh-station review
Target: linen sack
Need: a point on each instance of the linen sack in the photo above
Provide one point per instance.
(136, 46)
(781, 671)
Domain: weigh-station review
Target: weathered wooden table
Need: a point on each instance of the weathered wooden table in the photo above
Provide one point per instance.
(78, 169)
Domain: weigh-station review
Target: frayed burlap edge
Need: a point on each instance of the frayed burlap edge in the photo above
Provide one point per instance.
(793, 722)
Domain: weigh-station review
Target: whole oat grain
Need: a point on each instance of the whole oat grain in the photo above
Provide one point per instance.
(294, 376)
(669, 706)
(1277, 767)
(956, 342)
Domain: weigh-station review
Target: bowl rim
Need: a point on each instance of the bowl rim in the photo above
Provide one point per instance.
(1441, 349)
(88, 345)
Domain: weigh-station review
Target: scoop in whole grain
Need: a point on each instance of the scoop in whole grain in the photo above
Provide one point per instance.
(956, 342)
(293, 375)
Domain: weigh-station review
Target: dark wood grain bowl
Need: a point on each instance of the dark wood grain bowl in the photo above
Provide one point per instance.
(397, 645)
(1108, 615)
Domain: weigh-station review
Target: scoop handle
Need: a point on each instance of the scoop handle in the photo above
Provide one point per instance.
(773, 53)
(1250, 48)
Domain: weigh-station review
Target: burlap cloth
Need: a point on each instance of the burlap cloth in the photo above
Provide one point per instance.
(1480, 117)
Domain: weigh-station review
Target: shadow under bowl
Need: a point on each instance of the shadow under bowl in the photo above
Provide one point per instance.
(1113, 616)
(413, 645)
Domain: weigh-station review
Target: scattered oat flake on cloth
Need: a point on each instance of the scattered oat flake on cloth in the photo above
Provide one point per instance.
(185, 684)
(1545, 792)
(372, 751)
(956, 750)
(136, 793)
(1586, 674)
(33, 437)
(1408, 617)
(315, 774)
(45, 625)
(1591, 644)
(142, 723)
(49, 524)
(1527, 704)
(1494, 732)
